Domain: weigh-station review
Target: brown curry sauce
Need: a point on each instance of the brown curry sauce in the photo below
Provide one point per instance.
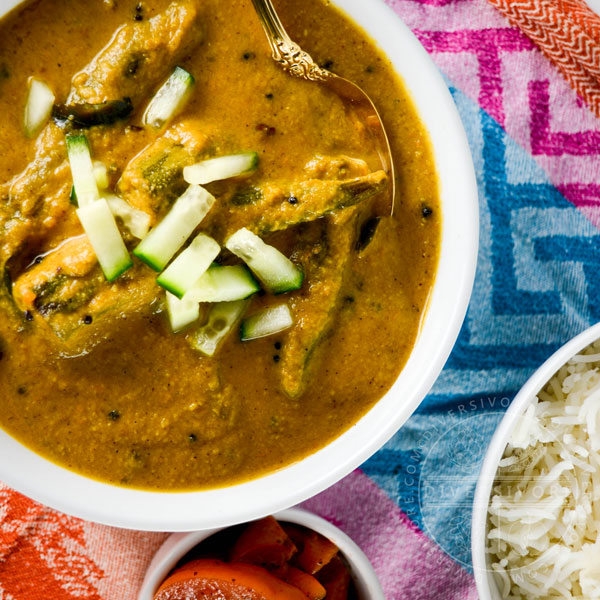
(135, 409)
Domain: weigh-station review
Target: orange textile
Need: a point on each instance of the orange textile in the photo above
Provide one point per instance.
(568, 33)
(46, 555)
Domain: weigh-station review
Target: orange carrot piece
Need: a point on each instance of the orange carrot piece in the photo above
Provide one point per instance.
(207, 589)
(229, 581)
(335, 578)
(263, 543)
(306, 583)
(296, 534)
(316, 552)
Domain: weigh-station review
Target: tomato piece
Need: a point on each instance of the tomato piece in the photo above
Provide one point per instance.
(213, 579)
(264, 543)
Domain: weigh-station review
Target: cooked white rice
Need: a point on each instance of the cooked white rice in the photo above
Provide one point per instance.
(544, 513)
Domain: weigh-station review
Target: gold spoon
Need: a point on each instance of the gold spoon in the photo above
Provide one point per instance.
(299, 63)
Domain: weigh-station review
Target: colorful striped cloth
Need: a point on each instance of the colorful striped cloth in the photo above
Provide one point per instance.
(513, 66)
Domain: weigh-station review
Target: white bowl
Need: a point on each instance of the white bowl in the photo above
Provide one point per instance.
(113, 505)
(178, 545)
(484, 578)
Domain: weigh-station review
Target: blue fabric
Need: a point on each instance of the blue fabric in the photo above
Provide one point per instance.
(537, 279)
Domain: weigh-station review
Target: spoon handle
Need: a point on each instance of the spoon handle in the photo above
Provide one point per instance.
(285, 51)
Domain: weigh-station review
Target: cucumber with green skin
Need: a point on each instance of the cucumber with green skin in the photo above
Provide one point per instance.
(223, 284)
(99, 224)
(100, 172)
(189, 266)
(170, 99)
(163, 242)
(38, 107)
(222, 319)
(82, 169)
(267, 322)
(223, 167)
(181, 312)
(137, 221)
(277, 272)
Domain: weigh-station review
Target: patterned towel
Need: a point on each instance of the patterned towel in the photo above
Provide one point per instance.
(568, 33)
(536, 147)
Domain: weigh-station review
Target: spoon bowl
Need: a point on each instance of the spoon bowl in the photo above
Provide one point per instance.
(300, 64)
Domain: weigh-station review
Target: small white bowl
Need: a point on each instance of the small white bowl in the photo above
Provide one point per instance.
(484, 578)
(93, 500)
(177, 545)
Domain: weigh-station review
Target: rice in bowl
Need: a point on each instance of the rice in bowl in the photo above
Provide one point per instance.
(544, 512)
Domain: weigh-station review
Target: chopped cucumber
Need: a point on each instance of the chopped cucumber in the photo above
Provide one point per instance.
(137, 221)
(99, 224)
(161, 244)
(190, 265)
(267, 322)
(100, 174)
(223, 284)
(181, 312)
(222, 318)
(277, 272)
(38, 107)
(223, 167)
(169, 99)
(82, 170)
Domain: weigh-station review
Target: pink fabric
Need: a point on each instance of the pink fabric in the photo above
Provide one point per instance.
(409, 565)
(76, 559)
(498, 67)
(568, 33)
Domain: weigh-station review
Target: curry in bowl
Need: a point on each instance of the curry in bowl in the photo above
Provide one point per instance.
(199, 284)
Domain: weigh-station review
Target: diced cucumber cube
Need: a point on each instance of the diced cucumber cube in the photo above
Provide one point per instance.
(137, 221)
(99, 224)
(189, 266)
(181, 312)
(38, 108)
(82, 170)
(163, 242)
(223, 284)
(170, 99)
(277, 272)
(100, 174)
(222, 318)
(267, 322)
(223, 167)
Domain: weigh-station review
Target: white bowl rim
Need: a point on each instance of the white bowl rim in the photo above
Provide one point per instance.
(177, 545)
(497, 446)
(96, 501)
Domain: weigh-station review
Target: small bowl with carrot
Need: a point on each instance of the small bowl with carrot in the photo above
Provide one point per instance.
(294, 555)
